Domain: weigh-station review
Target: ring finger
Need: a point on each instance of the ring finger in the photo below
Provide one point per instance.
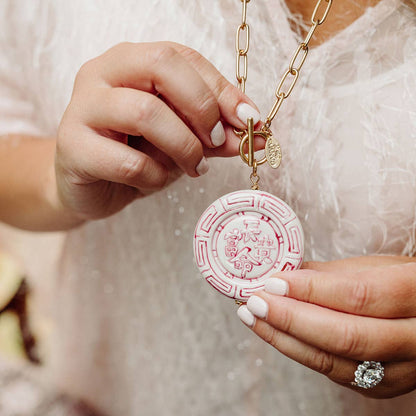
(339, 333)
(398, 377)
(336, 368)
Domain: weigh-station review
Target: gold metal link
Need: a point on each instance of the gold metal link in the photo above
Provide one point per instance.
(254, 177)
(242, 46)
(314, 19)
(267, 124)
(241, 78)
(295, 74)
(241, 53)
(244, 12)
(242, 85)
(242, 28)
(305, 49)
(310, 34)
(239, 133)
(276, 107)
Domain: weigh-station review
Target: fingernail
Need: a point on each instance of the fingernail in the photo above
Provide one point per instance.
(276, 286)
(218, 134)
(202, 167)
(246, 316)
(258, 307)
(245, 111)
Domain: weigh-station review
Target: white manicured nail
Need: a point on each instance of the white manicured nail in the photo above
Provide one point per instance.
(246, 316)
(258, 307)
(202, 167)
(245, 111)
(218, 134)
(276, 286)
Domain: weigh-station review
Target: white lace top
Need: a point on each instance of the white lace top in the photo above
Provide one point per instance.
(137, 330)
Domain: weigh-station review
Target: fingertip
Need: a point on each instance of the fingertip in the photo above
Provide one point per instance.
(236, 107)
(258, 306)
(246, 316)
(276, 286)
(202, 167)
(245, 111)
(218, 135)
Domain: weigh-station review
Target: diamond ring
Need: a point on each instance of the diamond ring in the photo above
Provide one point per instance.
(368, 374)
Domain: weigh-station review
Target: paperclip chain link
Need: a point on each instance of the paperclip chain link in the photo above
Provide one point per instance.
(242, 45)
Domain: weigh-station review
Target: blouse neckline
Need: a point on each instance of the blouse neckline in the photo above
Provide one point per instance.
(372, 16)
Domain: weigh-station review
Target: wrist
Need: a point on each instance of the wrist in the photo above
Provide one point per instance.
(63, 218)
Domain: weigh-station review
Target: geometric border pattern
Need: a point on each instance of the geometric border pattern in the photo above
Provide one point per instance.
(273, 210)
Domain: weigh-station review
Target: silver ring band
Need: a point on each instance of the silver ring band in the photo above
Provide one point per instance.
(368, 374)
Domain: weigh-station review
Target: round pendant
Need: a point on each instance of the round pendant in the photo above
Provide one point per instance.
(243, 238)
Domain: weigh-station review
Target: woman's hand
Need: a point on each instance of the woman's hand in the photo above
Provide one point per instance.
(332, 316)
(140, 113)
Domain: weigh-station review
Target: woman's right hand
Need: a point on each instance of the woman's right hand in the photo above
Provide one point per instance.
(140, 113)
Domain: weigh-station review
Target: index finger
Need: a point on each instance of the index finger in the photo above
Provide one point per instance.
(183, 77)
(228, 96)
(383, 292)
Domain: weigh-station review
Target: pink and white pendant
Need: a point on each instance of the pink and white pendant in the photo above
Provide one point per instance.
(243, 238)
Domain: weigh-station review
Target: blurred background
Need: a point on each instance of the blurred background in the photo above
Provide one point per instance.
(17, 339)
(27, 266)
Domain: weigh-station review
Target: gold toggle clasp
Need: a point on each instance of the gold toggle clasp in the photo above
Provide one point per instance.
(249, 137)
(273, 154)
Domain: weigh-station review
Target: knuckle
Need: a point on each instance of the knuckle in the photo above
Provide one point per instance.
(285, 319)
(309, 290)
(223, 89)
(191, 149)
(349, 344)
(120, 50)
(190, 54)
(219, 85)
(323, 362)
(403, 291)
(162, 53)
(271, 336)
(86, 70)
(403, 300)
(360, 297)
(170, 44)
(123, 46)
(91, 67)
(207, 105)
(161, 180)
(146, 108)
(132, 167)
(312, 265)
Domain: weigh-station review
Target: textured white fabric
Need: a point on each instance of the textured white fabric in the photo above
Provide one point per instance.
(22, 393)
(138, 331)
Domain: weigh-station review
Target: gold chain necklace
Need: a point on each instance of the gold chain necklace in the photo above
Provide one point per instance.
(273, 154)
(246, 236)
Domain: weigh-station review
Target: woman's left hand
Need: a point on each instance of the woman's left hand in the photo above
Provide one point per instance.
(332, 316)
